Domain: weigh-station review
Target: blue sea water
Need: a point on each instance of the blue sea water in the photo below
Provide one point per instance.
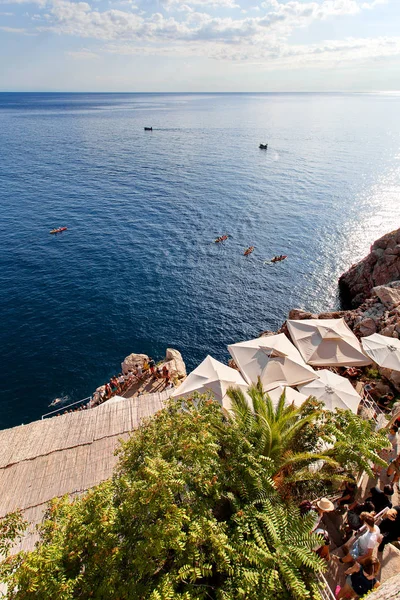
(137, 270)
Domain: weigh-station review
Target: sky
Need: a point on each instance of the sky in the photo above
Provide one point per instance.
(200, 45)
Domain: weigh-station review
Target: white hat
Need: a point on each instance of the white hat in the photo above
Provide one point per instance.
(325, 505)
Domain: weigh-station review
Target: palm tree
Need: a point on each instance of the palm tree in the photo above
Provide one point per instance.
(275, 431)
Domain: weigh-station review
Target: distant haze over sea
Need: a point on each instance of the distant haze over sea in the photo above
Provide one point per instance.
(137, 270)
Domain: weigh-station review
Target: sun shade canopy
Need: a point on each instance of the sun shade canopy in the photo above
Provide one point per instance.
(273, 359)
(333, 390)
(327, 343)
(383, 350)
(211, 376)
(291, 396)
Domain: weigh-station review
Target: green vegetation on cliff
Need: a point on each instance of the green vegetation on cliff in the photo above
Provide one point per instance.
(195, 510)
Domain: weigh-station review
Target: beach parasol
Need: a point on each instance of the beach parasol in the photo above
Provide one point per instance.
(333, 390)
(383, 350)
(273, 359)
(291, 396)
(211, 376)
(327, 343)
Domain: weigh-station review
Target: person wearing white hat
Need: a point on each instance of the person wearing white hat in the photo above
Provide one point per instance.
(324, 505)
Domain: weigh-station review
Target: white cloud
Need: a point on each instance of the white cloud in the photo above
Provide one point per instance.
(18, 30)
(81, 19)
(6, 14)
(171, 4)
(83, 54)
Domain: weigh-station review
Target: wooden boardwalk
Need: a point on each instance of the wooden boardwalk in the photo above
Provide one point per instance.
(67, 454)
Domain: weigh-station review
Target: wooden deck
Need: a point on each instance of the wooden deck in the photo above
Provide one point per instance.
(67, 454)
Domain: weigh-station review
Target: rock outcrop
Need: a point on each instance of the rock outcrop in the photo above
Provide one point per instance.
(389, 590)
(130, 362)
(173, 361)
(380, 267)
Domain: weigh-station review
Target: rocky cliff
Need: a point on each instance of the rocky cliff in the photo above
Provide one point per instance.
(389, 590)
(380, 267)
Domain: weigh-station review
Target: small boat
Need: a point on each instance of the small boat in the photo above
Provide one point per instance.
(278, 258)
(248, 250)
(221, 238)
(263, 146)
(59, 230)
(148, 129)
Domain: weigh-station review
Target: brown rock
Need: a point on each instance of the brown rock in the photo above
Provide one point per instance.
(389, 330)
(392, 376)
(389, 590)
(267, 333)
(366, 327)
(336, 314)
(380, 267)
(132, 360)
(298, 314)
(389, 296)
(175, 364)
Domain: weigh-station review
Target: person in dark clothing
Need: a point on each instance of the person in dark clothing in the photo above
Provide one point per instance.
(349, 494)
(390, 527)
(353, 521)
(360, 579)
(380, 498)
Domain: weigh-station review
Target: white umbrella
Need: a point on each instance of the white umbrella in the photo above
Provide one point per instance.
(383, 350)
(333, 390)
(211, 376)
(273, 359)
(327, 343)
(291, 396)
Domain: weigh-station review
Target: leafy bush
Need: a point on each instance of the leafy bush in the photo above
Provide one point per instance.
(191, 513)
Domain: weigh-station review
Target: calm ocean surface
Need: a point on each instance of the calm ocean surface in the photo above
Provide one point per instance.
(136, 271)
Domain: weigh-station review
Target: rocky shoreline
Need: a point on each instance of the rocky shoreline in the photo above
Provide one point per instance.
(372, 288)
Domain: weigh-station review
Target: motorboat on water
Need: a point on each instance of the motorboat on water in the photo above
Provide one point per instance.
(148, 129)
(263, 146)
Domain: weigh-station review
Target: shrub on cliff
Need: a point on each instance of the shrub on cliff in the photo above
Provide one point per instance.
(191, 513)
(307, 445)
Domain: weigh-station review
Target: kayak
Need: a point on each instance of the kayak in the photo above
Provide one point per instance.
(278, 258)
(248, 250)
(59, 230)
(222, 238)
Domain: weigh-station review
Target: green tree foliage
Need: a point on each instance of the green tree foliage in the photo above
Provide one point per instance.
(191, 513)
(307, 443)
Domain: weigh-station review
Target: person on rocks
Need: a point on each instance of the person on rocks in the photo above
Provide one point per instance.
(167, 378)
(114, 384)
(362, 547)
(157, 374)
(152, 366)
(121, 382)
(360, 580)
(108, 391)
(164, 371)
(139, 372)
(390, 527)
